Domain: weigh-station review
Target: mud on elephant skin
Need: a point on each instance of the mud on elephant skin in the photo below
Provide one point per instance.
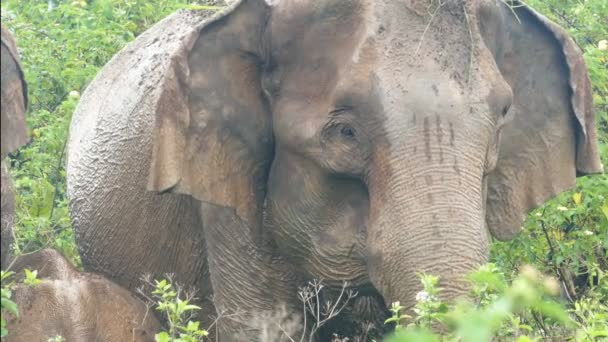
(359, 141)
(13, 95)
(77, 306)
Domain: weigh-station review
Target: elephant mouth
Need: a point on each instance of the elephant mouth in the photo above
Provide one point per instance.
(362, 316)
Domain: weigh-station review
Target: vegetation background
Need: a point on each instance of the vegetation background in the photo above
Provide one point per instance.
(64, 43)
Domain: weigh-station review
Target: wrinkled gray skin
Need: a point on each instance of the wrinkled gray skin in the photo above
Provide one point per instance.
(77, 306)
(344, 140)
(13, 132)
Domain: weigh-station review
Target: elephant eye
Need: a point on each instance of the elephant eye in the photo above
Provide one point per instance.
(338, 125)
(505, 110)
(347, 131)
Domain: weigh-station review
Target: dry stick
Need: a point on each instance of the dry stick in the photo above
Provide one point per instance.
(367, 329)
(317, 290)
(57, 168)
(8, 268)
(285, 332)
(304, 311)
(552, 249)
(311, 303)
(512, 8)
(470, 69)
(540, 322)
(427, 27)
(221, 315)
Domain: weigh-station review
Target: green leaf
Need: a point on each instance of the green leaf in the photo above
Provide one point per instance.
(554, 310)
(9, 306)
(162, 337)
(605, 209)
(31, 278)
(413, 335)
(577, 198)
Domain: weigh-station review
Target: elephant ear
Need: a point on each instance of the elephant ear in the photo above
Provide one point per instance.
(14, 96)
(552, 136)
(213, 134)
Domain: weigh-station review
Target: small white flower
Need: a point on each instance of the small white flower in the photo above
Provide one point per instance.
(422, 296)
(602, 45)
(74, 94)
(588, 232)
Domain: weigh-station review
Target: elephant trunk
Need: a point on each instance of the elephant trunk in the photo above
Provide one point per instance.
(438, 230)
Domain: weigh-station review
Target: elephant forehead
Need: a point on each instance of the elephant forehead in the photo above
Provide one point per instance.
(315, 29)
(320, 40)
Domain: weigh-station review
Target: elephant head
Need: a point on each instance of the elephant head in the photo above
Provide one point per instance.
(376, 139)
(13, 95)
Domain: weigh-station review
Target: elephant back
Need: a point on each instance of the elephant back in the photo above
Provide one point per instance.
(77, 306)
(122, 230)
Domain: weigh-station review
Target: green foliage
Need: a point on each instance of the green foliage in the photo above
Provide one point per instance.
(31, 278)
(6, 303)
(178, 312)
(524, 310)
(397, 317)
(428, 307)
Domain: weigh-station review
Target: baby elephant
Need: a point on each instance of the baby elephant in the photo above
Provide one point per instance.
(77, 306)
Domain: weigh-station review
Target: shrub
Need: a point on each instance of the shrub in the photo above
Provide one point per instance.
(524, 310)
(173, 303)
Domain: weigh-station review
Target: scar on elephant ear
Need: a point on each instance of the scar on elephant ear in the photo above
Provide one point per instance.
(552, 136)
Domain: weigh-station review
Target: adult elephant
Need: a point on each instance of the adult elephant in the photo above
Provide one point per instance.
(358, 141)
(13, 94)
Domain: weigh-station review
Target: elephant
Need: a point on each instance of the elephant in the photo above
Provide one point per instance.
(76, 306)
(277, 142)
(14, 132)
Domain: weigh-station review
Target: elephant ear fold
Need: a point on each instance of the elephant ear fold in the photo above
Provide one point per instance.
(551, 137)
(213, 134)
(14, 96)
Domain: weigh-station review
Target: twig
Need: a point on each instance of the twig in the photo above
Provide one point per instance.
(57, 168)
(542, 225)
(471, 52)
(285, 333)
(427, 27)
(304, 329)
(512, 8)
(309, 295)
(561, 275)
(8, 268)
(540, 322)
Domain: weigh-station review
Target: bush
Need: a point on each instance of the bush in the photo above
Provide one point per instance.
(173, 303)
(524, 310)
